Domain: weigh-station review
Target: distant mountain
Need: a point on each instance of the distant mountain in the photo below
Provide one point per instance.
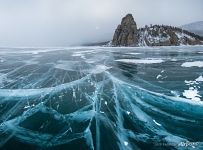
(127, 34)
(195, 27)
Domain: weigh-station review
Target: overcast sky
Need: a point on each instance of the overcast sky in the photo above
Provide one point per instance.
(72, 22)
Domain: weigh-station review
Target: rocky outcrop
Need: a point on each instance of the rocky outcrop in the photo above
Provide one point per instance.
(126, 33)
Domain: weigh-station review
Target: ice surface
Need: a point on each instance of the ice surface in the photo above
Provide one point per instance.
(95, 98)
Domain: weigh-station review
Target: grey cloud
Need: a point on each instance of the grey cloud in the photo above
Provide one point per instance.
(71, 22)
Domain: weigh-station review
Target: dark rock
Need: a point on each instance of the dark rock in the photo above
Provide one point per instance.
(174, 40)
(126, 33)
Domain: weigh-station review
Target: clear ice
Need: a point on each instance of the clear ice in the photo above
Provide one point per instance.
(88, 98)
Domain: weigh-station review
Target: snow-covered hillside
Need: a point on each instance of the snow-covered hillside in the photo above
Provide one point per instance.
(166, 36)
(195, 27)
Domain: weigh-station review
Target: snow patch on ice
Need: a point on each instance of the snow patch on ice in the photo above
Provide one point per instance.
(141, 61)
(159, 76)
(78, 54)
(82, 53)
(100, 69)
(191, 82)
(2, 60)
(128, 112)
(134, 53)
(35, 52)
(193, 64)
(105, 103)
(192, 94)
(66, 65)
(199, 79)
(173, 59)
(125, 143)
(175, 93)
(158, 124)
(31, 62)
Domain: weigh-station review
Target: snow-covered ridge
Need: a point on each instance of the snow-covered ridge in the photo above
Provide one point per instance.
(167, 36)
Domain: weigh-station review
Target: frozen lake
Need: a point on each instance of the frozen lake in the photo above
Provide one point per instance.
(101, 98)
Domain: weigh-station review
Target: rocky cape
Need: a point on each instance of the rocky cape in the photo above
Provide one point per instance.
(127, 34)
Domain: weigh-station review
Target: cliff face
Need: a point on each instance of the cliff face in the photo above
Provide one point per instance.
(127, 34)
